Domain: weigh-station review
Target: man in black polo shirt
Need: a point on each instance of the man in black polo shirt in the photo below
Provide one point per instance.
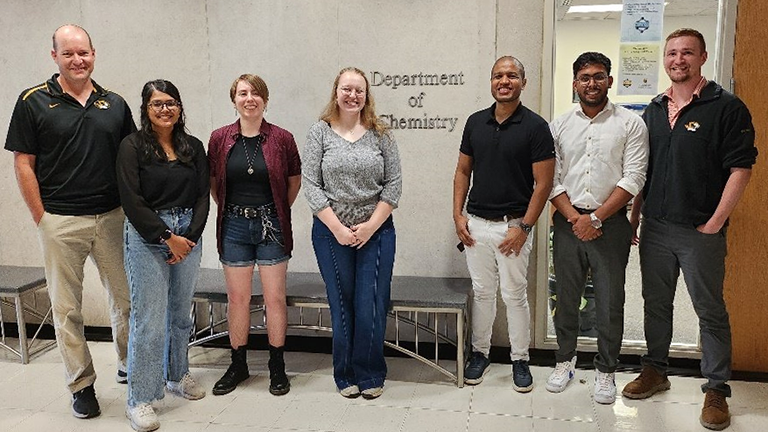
(65, 134)
(508, 152)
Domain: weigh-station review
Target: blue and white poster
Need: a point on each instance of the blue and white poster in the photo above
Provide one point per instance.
(642, 21)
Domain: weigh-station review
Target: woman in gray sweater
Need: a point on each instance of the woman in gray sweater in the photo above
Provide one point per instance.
(351, 170)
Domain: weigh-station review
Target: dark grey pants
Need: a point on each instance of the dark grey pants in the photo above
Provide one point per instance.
(606, 257)
(665, 249)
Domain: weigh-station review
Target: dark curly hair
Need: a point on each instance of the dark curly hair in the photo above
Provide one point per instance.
(591, 58)
(150, 147)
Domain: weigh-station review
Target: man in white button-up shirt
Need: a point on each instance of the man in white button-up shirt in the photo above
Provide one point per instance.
(601, 159)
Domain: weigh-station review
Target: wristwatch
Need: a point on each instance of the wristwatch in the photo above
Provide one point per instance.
(526, 228)
(165, 236)
(595, 221)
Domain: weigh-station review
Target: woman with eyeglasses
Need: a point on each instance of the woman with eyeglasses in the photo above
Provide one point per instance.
(162, 175)
(353, 182)
(255, 178)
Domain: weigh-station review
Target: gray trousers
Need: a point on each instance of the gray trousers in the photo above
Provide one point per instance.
(665, 249)
(607, 258)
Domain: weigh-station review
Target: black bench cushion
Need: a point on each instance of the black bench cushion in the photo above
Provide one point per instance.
(412, 291)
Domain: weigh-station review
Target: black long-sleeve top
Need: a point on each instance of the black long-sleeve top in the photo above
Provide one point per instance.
(148, 186)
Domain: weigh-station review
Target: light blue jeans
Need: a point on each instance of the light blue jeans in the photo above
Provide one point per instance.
(161, 296)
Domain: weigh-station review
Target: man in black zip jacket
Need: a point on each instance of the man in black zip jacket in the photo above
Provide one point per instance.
(702, 152)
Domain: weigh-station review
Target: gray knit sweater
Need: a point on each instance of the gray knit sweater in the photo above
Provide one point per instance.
(351, 178)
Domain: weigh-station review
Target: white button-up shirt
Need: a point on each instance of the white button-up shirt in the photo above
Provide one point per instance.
(594, 155)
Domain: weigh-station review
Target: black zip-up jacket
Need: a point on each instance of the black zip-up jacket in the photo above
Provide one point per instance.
(690, 164)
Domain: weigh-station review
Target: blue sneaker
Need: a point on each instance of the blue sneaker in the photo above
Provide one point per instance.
(476, 368)
(521, 376)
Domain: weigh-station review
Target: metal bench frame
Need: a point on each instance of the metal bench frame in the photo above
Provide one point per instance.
(211, 290)
(14, 283)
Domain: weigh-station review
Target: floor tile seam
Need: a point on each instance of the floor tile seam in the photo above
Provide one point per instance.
(404, 419)
(30, 413)
(298, 400)
(217, 415)
(447, 410)
(535, 417)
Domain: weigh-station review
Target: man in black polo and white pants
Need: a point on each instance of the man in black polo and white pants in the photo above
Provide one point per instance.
(507, 150)
(601, 159)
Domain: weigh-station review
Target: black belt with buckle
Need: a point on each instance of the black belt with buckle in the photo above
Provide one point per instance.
(505, 218)
(622, 210)
(250, 212)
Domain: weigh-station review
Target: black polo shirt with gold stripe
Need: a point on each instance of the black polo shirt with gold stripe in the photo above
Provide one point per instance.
(75, 145)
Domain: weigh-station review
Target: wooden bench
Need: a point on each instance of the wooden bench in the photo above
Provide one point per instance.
(442, 301)
(14, 283)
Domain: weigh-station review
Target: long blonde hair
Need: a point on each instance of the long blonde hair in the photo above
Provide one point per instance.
(367, 115)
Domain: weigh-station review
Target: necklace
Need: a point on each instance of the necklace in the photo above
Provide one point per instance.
(255, 152)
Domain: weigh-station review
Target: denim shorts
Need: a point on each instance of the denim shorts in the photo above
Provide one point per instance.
(245, 242)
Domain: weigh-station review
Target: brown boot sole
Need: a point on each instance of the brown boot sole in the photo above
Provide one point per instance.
(664, 386)
(715, 426)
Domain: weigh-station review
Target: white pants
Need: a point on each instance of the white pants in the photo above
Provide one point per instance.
(492, 270)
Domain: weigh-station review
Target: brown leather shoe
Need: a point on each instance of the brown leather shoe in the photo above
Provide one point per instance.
(646, 385)
(715, 413)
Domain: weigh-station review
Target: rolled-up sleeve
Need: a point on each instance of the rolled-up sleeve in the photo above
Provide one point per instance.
(636, 152)
(393, 178)
(312, 171)
(557, 182)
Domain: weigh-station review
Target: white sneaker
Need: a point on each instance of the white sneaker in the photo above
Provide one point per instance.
(350, 392)
(372, 393)
(561, 376)
(605, 388)
(142, 417)
(186, 388)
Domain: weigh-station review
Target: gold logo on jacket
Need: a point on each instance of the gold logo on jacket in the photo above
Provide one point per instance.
(101, 104)
(53, 105)
(692, 126)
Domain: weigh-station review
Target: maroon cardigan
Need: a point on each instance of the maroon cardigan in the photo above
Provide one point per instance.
(282, 158)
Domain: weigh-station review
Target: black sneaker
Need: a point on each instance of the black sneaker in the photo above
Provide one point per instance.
(121, 377)
(521, 376)
(84, 403)
(476, 368)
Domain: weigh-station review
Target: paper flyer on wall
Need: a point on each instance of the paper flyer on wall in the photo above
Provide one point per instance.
(642, 20)
(638, 69)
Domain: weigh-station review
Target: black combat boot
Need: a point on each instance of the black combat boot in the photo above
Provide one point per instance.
(235, 374)
(278, 380)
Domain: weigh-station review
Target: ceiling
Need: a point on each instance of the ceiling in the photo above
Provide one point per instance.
(673, 8)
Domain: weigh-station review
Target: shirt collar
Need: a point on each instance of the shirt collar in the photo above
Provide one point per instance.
(265, 130)
(608, 108)
(516, 116)
(696, 92)
(55, 88)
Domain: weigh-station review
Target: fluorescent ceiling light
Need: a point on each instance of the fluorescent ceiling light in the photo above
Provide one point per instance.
(595, 8)
(600, 8)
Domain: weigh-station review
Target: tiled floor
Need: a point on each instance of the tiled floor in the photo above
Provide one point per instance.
(33, 398)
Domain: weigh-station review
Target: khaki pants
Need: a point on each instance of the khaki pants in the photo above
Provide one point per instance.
(66, 242)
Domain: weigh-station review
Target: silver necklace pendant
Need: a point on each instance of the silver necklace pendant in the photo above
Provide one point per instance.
(248, 156)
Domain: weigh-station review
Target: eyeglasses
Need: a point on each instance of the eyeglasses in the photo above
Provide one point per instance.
(159, 105)
(350, 91)
(585, 79)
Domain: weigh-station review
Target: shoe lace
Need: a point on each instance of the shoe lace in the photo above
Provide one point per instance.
(562, 369)
(715, 400)
(520, 368)
(604, 382)
(477, 359)
(186, 381)
(145, 410)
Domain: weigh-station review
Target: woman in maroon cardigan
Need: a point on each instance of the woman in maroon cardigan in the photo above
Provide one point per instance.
(255, 178)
